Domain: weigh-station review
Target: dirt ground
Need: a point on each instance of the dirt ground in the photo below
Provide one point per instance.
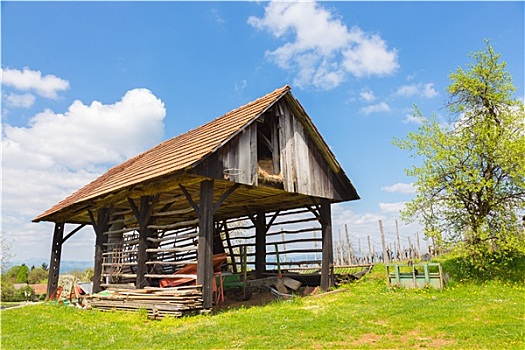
(259, 297)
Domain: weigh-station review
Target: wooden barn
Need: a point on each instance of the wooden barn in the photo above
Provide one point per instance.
(255, 184)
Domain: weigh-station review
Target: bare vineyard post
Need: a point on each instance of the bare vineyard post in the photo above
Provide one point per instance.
(386, 259)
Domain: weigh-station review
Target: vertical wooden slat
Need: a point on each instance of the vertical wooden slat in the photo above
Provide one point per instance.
(254, 178)
(286, 144)
(205, 248)
(302, 162)
(328, 254)
(275, 147)
(247, 156)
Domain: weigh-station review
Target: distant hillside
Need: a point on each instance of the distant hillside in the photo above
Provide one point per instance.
(66, 266)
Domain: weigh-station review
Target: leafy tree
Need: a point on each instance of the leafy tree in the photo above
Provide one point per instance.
(84, 276)
(6, 251)
(23, 274)
(12, 273)
(7, 291)
(87, 275)
(471, 182)
(37, 275)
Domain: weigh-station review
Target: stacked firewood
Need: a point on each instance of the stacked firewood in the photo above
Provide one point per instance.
(158, 302)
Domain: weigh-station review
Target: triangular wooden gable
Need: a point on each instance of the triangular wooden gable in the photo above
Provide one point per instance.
(280, 148)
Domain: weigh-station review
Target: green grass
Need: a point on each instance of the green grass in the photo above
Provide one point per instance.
(472, 314)
(10, 303)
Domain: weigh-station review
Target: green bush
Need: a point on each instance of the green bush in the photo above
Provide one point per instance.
(498, 267)
(9, 293)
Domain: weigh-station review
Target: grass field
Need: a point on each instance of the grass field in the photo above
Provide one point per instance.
(366, 315)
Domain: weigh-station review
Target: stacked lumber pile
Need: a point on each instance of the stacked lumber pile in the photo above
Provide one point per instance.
(158, 302)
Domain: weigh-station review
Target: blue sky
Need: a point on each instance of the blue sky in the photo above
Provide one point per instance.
(87, 85)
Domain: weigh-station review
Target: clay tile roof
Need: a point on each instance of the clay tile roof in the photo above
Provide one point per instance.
(172, 155)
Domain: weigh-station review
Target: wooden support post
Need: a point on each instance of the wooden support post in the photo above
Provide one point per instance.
(142, 257)
(327, 266)
(100, 225)
(206, 210)
(260, 244)
(54, 263)
(205, 249)
(386, 258)
(143, 213)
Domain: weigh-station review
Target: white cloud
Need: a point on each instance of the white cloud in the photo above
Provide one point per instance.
(94, 134)
(367, 95)
(410, 118)
(322, 51)
(423, 90)
(391, 207)
(369, 56)
(400, 188)
(429, 91)
(56, 154)
(381, 107)
(27, 79)
(20, 100)
(407, 90)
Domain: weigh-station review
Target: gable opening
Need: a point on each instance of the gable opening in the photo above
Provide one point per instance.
(268, 152)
